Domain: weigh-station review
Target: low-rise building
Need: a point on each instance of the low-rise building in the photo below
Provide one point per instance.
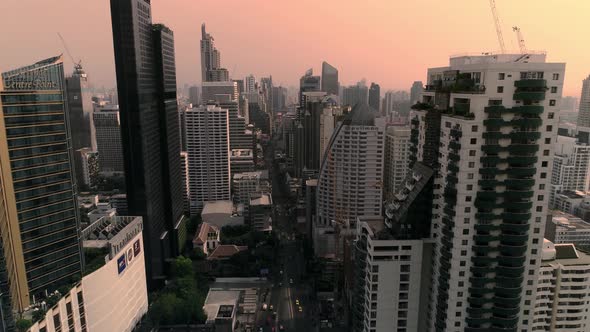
(221, 309)
(567, 201)
(241, 160)
(222, 213)
(567, 228)
(261, 213)
(113, 297)
(206, 238)
(562, 301)
(225, 251)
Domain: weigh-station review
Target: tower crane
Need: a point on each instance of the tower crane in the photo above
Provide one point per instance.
(521, 43)
(498, 27)
(77, 65)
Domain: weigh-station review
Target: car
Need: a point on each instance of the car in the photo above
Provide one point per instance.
(281, 272)
(264, 306)
(300, 309)
(260, 329)
(297, 302)
(281, 328)
(271, 307)
(291, 281)
(280, 284)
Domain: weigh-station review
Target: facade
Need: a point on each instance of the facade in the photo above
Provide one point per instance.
(355, 94)
(241, 160)
(194, 95)
(571, 163)
(260, 212)
(562, 299)
(39, 210)
(308, 83)
(248, 184)
(497, 121)
(416, 92)
(567, 201)
(219, 91)
(351, 176)
(87, 167)
(397, 158)
(330, 83)
(146, 83)
(375, 97)
(80, 109)
(109, 145)
(584, 112)
(95, 304)
(207, 130)
(250, 83)
(279, 98)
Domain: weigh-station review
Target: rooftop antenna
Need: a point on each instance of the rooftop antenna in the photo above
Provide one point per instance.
(498, 27)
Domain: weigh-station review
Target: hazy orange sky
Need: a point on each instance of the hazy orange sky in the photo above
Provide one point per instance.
(391, 42)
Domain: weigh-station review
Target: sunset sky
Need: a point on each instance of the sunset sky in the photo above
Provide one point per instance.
(391, 42)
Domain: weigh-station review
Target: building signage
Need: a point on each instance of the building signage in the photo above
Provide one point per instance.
(37, 80)
(128, 256)
(136, 248)
(121, 263)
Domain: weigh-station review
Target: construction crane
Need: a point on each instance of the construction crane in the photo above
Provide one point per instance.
(77, 65)
(521, 43)
(498, 27)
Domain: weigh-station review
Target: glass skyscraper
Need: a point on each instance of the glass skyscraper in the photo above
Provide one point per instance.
(39, 225)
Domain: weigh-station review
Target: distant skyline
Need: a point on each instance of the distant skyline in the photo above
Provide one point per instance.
(388, 42)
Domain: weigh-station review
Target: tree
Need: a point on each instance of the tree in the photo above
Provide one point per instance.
(182, 267)
(23, 324)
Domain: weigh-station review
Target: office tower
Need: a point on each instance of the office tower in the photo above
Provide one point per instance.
(266, 89)
(584, 112)
(185, 189)
(38, 208)
(86, 162)
(244, 110)
(351, 177)
(108, 139)
(241, 160)
(182, 128)
(80, 109)
(355, 94)
(416, 91)
(240, 84)
(211, 70)
(329, 79)
(562, 302)
(238, 139)
(218, 92)
(571, 160)
(194, 95)
(279, 98)
(397, 158)
(308, 83)
(250, 83)
(119, 203)
(146, 82)
(493, 162)
(207, 131)
(375, 97)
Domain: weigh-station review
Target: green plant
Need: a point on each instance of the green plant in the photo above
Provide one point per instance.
(23, 324)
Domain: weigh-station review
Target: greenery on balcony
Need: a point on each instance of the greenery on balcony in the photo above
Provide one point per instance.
(531, 83)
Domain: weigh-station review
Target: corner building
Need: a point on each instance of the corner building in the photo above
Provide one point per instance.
(498, 119)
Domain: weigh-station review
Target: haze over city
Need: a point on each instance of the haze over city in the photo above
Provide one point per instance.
(383, 41)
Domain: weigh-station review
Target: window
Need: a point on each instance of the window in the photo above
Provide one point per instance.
(469, 187)
(553, 89)
(555, 77)
(539, 209)
(465, 232)
(447, 124)
(471, 164)
(540, 197)
(543, 175)
(472, 153)
(542, 186)
(464, 242)
(501, 76)
(470, 176)
(552, 102)
(545, 152)
(500, 89)
(473, 141)
(548, 140)
(463, 252)
(549, 128)
(550, 115)
(466, 220)
(467, 198)
(474, 129)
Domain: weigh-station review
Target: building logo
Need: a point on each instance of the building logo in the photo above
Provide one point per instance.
(129, 255)
(121, 263)
(136, 248)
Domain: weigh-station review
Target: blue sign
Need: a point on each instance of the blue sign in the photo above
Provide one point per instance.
(121, 263)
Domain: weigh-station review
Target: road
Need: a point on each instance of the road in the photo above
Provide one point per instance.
(289, 286)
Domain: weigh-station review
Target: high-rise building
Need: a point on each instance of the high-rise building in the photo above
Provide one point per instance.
(108, 139)
(240, 84)
(329, 79)
(185, 189)
(219, 92)
(266, 89)
(250, 83)
(375, 97)
(279, 98)
(238, 139)
(87, 167)
(80, 109)
(571, 162)
(492, 188)
(308, 83)
(194, 95)
(397, 159)
(416, 91)
(584, 112)
(211, 70)
(355, 94)
(561, 303)
(208, 149)
(39, 221)
(351, 177)
(394, 102)
(146, 83)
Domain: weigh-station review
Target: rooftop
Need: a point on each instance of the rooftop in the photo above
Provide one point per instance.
(226, 251)
(218, 299)
(572, 194)
(241, 153)
(111, 232)
(203, 231)
(218, 207)
(264, 199)
(263, 175)
(569, 221)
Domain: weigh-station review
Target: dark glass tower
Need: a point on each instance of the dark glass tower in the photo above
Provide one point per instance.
(39, 216)
(79, 109)
(146, 84)
(375, 96)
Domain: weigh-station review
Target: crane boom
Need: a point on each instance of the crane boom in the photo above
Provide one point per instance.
(77, 65)
(521, 43)
(498, 27)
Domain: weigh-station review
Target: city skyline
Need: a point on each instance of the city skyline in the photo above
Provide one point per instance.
(391, 30)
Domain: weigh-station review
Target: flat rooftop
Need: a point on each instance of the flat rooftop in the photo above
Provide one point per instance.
(218, 207)
(569, 221)
(218, 299)
(571, 194)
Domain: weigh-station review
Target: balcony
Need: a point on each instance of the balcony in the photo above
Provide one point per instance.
(511, 249)
(531, 83)
(478, 301)
(514, 216)
(521, 171)
(495, 109)
(510, 271)
(529, 95)
(532, 135)
(509, 324)
(523, 148)
(486, 227)
(514, 238)
(522, 160)
(487, 183)
(519, 183)
(492, 148)
(479, 238)
(514, 227)
(528, 109)
(487, 216)
(511, 261)
(482, 250)
(518, 205)
(495, 122)
(518, 194)
(486, 204)
(527, 122)
(509, 282)
(454, 145)
(500, 311)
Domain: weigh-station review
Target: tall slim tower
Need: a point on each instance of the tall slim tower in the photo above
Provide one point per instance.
(108, 139)
(308, 83)
(211, 70)
(397, 159)
(39, 221)
(375, 97)
(80, 109)
(584, 113)
(329, 79)
(146, 83)
(497, 121)
(208, 149)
